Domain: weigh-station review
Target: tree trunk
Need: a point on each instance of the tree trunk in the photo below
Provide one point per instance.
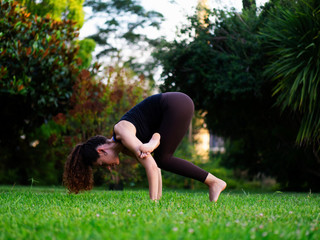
(247, 4)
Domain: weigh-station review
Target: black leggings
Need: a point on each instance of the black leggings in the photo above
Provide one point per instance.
(178, 110)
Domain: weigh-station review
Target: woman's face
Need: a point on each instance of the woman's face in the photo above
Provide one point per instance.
(107, 156)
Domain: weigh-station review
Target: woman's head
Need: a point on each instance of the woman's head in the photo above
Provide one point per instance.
(77, 174)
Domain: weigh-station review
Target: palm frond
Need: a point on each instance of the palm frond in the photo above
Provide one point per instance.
(293, 42)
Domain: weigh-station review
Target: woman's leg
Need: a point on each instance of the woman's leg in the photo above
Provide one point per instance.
(178, 111)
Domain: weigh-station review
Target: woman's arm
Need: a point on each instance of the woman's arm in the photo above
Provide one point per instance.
(153, 176)
(126, 132)
(159, 183)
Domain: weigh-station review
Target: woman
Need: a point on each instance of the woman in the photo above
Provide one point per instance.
(163, 116)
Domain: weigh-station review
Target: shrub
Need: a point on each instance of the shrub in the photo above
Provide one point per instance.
(37, 72)
(292, 40)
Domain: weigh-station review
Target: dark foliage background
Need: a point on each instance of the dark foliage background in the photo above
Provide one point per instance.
(222, 67)
(38, 69)
(254, 75)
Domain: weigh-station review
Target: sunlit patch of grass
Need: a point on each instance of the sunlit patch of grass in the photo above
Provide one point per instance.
(51, 213)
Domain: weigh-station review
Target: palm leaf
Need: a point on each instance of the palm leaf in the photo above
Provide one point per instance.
(293, 43)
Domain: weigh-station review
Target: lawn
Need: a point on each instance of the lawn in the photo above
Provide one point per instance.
(51, 213)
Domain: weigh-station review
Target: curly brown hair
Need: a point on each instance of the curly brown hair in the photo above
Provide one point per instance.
(78, 174)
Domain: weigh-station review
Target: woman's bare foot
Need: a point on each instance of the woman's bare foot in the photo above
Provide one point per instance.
(216, 186)
(148, 148)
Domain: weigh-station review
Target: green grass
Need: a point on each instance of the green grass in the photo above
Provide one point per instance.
(50, 213)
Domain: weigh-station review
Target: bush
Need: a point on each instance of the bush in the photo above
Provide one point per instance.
(97, 104)
(292, 40)
(37, 72)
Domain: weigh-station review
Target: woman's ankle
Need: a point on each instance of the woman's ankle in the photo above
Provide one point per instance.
(211, 179)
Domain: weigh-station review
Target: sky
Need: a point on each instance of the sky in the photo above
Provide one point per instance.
(174, 11)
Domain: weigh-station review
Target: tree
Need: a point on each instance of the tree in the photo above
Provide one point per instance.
(37, 71)
(64, 10)
(248, 4)
(37, 62)
(292, 40)
(123, 21)
(86, 48)
(221, 68)
(57, 10)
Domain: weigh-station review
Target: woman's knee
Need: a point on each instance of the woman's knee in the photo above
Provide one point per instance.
(187, 103)
(181, 103)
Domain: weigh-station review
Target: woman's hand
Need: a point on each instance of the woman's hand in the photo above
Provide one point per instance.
(147, 148)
